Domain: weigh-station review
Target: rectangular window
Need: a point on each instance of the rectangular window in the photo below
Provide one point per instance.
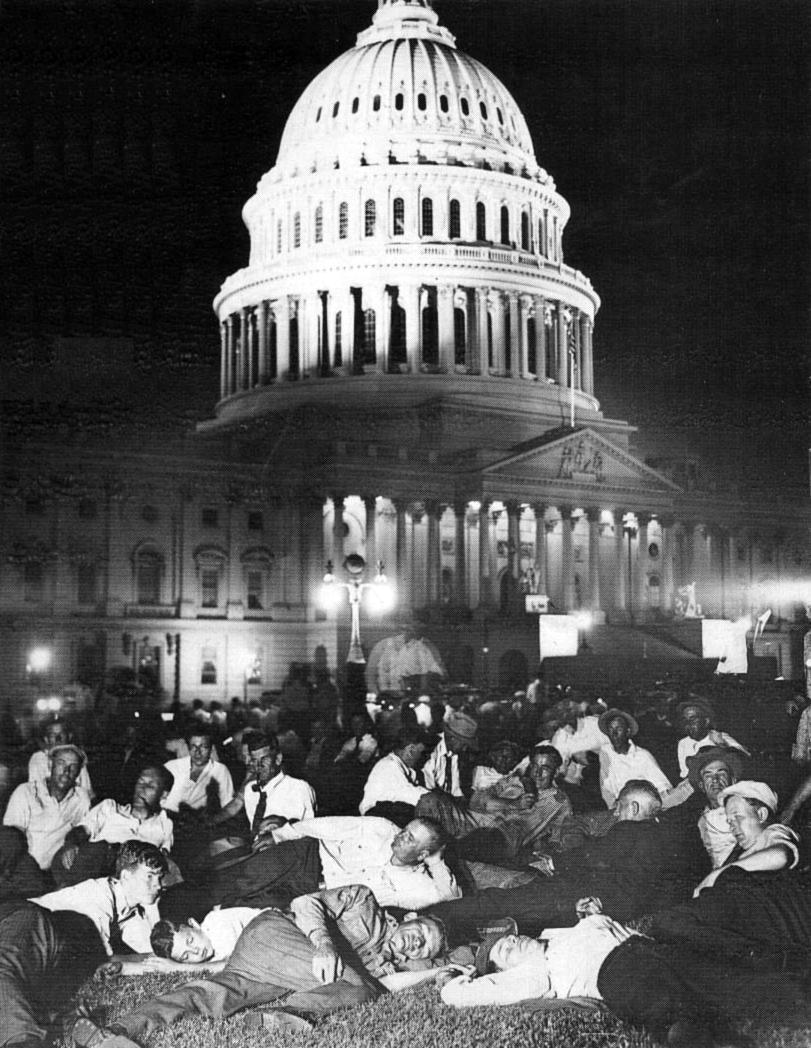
(208, 666)
(34, 582)
(86, 584)
(209, 518)
(148, 581)
(256, 521)
(210, 587)
(256, 588)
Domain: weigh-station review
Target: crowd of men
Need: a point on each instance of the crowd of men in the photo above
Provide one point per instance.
(630, 854)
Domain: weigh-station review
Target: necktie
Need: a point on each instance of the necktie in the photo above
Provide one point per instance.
(449, 773)
(261, 807)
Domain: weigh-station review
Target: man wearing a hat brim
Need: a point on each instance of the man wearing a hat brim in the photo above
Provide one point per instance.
(47, 811)
(697, 718)
(621, 760)
(450, 764)
(761, 845)
(710, 772)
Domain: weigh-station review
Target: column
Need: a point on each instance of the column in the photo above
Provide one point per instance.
(283, 337)
(481, 343)
(382, 328)
(668, 589)
(577, 377)
(230, 356)
(245, 338)
(331, 310)
(223, 359)
(338, 531)
(517, 337)
(540, 337)
(433, 552)
(370, 506)
(563, 356)
(485, 589)
(348, 332)
(496, 303)
(514, 539)
(620, 561)
(401, 555)
(540, 548)
(587, 373)
(459, 554)
(493, 551)
(568, 524)
(525, 311)
(409, 298)
(444, 306)
(593, 516)
(262, 324)
(641, 580)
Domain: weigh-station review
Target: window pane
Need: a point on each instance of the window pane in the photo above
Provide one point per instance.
(208, 668)
(427, 217)
(370, 216)
(255, 591)
(319, 224)
(455, 226)
(481, 222)
(343, 219)
(148, 580)
(210, 585)
(399, 217)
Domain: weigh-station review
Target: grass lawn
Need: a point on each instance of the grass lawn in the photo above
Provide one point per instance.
(418, 1019)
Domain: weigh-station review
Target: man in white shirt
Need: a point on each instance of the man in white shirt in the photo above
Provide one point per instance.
(198, 778)
(710, 771)
(274, 798)
(209, 943)
(622, 760)
(394, 779)
(450, 766)
(402, 867)
(55, 733)
(698, 720)
(124, 905)
(47, 811)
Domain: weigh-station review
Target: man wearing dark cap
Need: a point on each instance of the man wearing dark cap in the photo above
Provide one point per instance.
(622, 760)
(450, 765)
(697, 718)
(710, 771)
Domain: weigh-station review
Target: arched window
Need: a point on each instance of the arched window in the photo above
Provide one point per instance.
(376, 103)
(541, 242)
(297, 230)
(463, 103)
(335, 109)
(427, 217)
(343, 220)
(279, 237)
(398, 101)
(443, 103)
(454, 221)
(398, 215)
(148, 567)
(338, 343)
(505, 224)
(319, 224)
(369, 336)
(422, 102)
(532, 361)
(483, 110)
(481, 221)
(430, 331)
(355, 103)
(500, 115)
(459, 336)
(369, 218)
(524, 231)
(318, 115)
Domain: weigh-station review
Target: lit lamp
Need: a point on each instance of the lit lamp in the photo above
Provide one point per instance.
(380, 599)
(38, 664)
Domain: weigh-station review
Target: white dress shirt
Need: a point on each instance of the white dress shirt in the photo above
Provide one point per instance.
(39, 767)
(585, 738)
(224, 927)
(716, 836)
(356, 849)
(618, 768)
(103, 901)
(193, 793)
(391, 780)
(115, 823)
(45, 821)
(434, 770)
(288, 797)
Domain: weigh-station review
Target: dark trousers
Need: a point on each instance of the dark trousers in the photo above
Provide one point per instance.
(272, 877)
(272, 962)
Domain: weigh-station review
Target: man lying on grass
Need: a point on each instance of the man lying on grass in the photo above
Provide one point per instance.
(337, 948)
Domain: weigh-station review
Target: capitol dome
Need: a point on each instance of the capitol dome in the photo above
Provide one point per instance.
(405, 92)
(406, 238)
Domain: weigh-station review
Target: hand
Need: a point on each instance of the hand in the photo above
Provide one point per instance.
(108, 971)
(272, 822)
(588, 907)
(462, 972)
(260, 843)
(69, 853)
(543, 864)
(327, 965)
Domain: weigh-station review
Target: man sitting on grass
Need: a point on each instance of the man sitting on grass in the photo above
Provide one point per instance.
(337, 948)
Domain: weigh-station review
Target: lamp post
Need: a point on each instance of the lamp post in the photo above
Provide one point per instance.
(630, 531)
(383, 593)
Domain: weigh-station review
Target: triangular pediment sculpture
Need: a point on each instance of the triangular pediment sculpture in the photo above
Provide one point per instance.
(580, 457)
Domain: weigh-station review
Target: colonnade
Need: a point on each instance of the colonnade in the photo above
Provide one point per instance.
(406, 329)
(616, 563)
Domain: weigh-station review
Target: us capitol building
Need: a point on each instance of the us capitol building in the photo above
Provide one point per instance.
(406, 373)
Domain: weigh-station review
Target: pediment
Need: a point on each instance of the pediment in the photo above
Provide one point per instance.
(580, 458)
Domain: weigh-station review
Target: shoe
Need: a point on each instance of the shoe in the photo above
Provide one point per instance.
(279, 1019)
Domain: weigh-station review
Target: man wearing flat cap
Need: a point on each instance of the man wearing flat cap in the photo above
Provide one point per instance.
(622, 760)
(450, 765)
(697, 718)
(710, 772)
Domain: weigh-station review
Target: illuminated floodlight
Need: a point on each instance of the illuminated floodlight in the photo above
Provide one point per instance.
(39, 659)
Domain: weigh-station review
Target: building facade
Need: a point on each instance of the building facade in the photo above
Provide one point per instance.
(406, 373)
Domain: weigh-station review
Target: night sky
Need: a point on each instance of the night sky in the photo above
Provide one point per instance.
(677, 130)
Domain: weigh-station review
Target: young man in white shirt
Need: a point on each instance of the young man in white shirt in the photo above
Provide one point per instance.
(394, 779)
(199, 779)
(622, 760)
